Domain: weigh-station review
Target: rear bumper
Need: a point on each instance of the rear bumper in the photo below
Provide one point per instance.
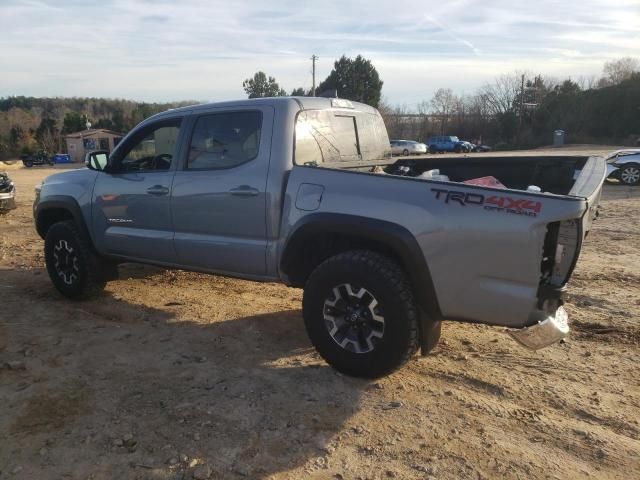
(551, 321)
(545, 332)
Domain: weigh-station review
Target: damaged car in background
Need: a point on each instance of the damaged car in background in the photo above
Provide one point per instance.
(624, 165)
(7, 193)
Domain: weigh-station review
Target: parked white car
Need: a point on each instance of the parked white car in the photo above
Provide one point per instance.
(407, 147)
(624, 165)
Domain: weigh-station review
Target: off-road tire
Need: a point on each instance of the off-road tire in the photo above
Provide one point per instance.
(92, 270)
(388, 284)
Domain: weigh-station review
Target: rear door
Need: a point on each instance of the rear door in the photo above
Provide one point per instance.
(218, 200)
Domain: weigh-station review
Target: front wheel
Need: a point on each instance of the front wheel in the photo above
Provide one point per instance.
(630, 175)
(360, 313)
(74, 268)
(405, 152)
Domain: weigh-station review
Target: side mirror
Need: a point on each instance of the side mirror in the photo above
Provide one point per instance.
(97, 160)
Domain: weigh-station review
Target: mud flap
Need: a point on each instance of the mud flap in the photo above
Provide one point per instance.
(429, 333)
(109, 270)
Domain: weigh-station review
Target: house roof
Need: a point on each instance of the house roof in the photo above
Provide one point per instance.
(92, 132)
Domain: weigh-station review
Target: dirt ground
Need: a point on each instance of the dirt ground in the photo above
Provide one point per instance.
(177, 375)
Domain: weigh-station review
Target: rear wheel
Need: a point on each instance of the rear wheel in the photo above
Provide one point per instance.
(630, 175)
(74, 268)
(457, 149)
(360, 313)
(432, 149)
(405, 152)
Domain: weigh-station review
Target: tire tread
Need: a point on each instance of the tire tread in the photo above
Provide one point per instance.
(395, 276)
(94, 268)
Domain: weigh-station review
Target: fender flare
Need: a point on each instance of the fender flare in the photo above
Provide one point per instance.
(63, 202)
(394, 236)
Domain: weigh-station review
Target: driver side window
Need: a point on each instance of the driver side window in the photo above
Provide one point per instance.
(154, 148)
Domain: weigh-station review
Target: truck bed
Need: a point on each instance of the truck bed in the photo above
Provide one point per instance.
(505, 248)
(554, 174)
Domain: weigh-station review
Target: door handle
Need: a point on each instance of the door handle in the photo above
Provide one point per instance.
(244, 191)
(157, 190)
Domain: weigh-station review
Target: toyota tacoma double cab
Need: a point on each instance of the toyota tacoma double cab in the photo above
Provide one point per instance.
(304, 191)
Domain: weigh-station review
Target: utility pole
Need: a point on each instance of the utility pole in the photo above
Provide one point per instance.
(521, 107)
(314, 57)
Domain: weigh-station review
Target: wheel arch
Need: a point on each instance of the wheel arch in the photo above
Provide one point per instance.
(318, 236)
(56, 209)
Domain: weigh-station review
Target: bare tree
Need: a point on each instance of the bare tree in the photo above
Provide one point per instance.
(500, 94)
(587, 82)
(49, 141)
(423, 124)
(443, 104)
(617, 71)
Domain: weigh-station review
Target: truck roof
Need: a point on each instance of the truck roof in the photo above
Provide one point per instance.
(304, 103)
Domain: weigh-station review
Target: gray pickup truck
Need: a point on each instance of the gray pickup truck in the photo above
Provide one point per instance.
(304, 191)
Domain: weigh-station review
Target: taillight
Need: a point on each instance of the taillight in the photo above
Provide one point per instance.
(560, 253)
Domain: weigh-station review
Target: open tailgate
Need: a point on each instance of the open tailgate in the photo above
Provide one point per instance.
(588, 185)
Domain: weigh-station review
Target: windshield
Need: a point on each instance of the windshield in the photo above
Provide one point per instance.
(330, 136)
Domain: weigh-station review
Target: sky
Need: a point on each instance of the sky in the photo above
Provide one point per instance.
(168, 50)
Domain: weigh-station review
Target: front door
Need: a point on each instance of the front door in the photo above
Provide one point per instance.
(218, 200)
(131, 211)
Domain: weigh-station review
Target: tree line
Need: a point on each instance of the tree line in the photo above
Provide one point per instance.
(29, 124)
(523, 109)
(354, 79)
(517, 110)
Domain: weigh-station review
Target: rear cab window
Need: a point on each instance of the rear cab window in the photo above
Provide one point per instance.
(332, 136)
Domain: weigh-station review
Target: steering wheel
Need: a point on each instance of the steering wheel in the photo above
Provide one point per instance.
(161, 162)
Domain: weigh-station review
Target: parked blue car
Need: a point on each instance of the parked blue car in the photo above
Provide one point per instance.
(447, 143)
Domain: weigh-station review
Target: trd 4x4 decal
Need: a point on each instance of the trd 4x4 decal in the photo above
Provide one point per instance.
(497, 203)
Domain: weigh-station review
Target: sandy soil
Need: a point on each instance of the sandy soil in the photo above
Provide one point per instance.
(175, 375)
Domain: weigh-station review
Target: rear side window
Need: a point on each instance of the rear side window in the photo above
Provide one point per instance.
(224, 140)
(329, 136)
